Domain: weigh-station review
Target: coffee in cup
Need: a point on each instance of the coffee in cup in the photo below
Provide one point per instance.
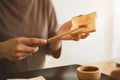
(88, 73)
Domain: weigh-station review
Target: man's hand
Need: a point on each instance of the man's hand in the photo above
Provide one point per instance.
(20, 48)
(67, 27)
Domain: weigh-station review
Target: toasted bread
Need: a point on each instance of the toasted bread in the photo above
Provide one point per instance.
(88, 19)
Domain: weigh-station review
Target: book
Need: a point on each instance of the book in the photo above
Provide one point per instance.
(35, 78)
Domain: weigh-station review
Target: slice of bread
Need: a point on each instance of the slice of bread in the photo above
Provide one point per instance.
(88, 19)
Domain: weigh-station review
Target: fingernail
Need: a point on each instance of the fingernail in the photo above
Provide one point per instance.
(36, 49)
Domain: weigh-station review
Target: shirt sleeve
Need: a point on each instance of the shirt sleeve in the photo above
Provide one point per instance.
(53, 26)
(52, 21)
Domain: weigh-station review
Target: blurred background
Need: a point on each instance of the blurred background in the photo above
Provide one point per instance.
(102, 45)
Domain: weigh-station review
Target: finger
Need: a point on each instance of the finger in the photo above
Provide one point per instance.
(33, 41)
(27, 49)
(18, 56)
(22, 58)
(77, 37)
(84, 35)
(30, 49)
(68, 37)
(21, 55)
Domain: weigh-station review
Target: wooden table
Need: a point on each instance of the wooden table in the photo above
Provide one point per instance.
(106, 67)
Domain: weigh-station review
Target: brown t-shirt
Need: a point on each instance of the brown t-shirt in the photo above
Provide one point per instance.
(26, 18)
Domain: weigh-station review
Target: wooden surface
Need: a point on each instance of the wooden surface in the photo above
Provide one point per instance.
(106, 67)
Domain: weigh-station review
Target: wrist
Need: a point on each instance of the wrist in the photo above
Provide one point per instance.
(55, 45)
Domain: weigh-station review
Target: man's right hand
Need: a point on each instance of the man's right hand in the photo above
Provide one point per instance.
(20, 48)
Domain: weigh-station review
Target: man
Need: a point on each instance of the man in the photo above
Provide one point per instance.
(25, 25)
